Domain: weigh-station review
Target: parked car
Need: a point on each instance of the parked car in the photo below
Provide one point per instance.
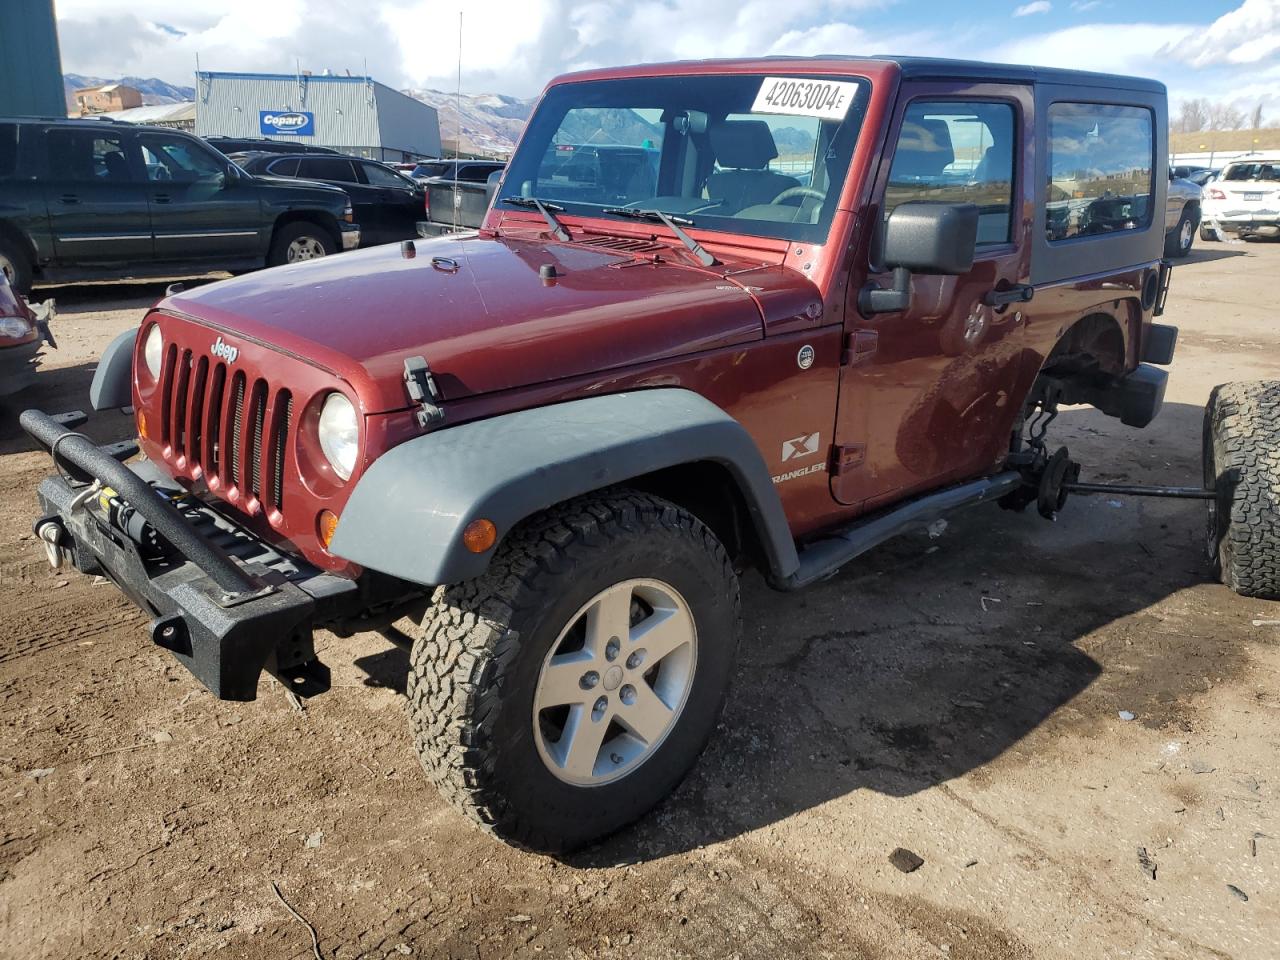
(1182, 216)
(1185, 171)
(468, 171)
(553, 443)
(230, 145)
(387, 204)
(1202, 177)
(82, 199)
(1244, 198)
(22, 332)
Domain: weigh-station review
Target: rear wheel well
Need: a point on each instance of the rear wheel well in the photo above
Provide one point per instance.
(708, 491)
(1093, 345)
(19, 239)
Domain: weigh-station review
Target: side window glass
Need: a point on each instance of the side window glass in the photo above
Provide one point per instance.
(380, 176)
(957, 152)
(288, 167)
(86, 157)
(1101, 159)
(327, 168)
(178, 160)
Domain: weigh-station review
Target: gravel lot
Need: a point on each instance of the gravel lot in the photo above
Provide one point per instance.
(959, 697)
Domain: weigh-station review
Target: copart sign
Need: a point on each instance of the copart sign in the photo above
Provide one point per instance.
(296, 122)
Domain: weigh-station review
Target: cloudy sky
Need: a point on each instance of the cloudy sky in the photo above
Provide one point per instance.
(1223, 50)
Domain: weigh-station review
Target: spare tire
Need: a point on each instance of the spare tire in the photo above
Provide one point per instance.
(1242, 463)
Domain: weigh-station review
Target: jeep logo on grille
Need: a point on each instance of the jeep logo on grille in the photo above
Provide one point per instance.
(224, 351)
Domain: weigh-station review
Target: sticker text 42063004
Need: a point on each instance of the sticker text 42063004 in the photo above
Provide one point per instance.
(791, 96)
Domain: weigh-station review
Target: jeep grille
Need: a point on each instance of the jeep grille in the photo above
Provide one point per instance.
(227, 426)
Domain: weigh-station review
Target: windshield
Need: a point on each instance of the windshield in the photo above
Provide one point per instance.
(748, 153)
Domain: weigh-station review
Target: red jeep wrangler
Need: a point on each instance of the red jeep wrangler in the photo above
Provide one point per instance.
(796, 308)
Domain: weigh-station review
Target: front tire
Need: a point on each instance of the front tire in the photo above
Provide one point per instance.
(1178, 243)
(564, 693)
(302, 240)
(1242, 463)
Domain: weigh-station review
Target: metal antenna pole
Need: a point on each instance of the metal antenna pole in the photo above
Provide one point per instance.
(457, 143)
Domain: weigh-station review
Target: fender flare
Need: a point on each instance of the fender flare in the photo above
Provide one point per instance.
(112, 386)
(406, 514)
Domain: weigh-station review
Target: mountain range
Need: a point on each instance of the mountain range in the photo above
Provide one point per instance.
(152, 89)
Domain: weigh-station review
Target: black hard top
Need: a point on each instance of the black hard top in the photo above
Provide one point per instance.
(941, 68)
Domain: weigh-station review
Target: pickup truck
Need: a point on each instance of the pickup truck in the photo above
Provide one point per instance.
(84, 199)
(457, 193)
(849, 300)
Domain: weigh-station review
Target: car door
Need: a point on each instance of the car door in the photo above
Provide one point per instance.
(201, 209)
(400, 200)
(925, 393)
(96, 195)
(341, 172)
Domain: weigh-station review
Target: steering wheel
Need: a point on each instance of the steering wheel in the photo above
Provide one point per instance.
(787, 194)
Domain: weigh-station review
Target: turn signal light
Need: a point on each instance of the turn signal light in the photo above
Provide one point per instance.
(479, 535)
(326, 524)
(142, 426)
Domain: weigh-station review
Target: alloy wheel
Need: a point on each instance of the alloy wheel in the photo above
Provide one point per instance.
(613, 685)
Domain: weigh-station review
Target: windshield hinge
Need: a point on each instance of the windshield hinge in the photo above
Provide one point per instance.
(423, 391)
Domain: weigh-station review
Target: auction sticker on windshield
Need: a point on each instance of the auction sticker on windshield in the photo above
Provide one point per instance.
(826, 99)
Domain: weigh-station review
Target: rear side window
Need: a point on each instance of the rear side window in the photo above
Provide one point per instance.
(380, 176)
(431, 169)
(327, 168)
(86, 156)
(287, 167)
(476, 174)
(1101, 159)
(957, 152)
(8, 150)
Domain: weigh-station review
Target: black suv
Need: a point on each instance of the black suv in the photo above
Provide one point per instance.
(388, 204)
(83, 199)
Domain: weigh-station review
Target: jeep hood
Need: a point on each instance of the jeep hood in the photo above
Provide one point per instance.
(480, 311)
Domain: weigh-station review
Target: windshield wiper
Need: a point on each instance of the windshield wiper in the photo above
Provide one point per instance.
(673, 223)
(557, 228)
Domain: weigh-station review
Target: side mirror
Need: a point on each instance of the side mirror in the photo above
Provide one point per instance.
(491, 185)
(922, 236)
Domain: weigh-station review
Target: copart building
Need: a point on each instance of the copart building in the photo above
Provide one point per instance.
(355, 115)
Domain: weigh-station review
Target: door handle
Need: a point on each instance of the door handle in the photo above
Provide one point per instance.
(1016, 293)
(161, 198)
(69, 198)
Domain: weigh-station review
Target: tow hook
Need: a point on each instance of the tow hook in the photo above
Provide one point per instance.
(53, 536)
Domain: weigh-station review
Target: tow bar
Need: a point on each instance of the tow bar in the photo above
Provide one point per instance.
(1139, 490)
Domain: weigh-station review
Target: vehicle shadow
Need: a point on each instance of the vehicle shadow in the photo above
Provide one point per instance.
(59, 390)
(102, 295)
(1217, 251)
(928, 659)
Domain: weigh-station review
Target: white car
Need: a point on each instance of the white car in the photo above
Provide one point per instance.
(1244, 198)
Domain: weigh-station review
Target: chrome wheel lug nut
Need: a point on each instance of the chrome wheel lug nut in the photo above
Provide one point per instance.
(635, 659)
(612, 648)
(598, 711)
(627, 694)
(589, 680)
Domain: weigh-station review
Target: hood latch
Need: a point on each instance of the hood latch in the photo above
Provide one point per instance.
(423, 391)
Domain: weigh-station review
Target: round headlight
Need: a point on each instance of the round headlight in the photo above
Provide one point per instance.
(339, 433)
(152, 348)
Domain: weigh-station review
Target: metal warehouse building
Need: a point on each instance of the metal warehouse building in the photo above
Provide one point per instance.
(355, 115)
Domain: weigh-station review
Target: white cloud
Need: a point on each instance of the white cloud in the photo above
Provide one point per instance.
(1036, 6)
(1248, 34)
(1082, 5)
(511, 46)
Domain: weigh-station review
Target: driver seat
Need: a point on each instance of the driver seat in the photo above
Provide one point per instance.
(743, 149)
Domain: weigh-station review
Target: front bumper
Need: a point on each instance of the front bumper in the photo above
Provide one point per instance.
(350, 235)
(226, 604)
(18, 366)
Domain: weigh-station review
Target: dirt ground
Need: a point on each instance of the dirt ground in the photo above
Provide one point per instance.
(960, 697)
